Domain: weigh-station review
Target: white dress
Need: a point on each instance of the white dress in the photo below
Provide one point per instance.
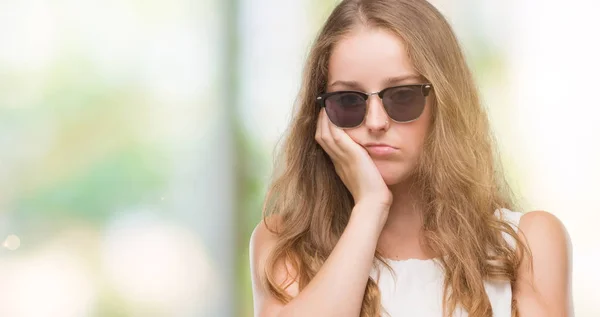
(418, 288)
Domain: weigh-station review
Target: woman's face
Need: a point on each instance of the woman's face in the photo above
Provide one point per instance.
(370, 60)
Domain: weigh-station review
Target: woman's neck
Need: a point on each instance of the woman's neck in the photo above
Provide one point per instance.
(406, 211)
(401, 236)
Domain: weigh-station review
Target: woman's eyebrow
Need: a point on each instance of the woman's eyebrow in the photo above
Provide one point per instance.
(401, 79)
(348, 84)
(388, 81)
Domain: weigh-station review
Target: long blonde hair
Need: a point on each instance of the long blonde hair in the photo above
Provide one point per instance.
(459, 178)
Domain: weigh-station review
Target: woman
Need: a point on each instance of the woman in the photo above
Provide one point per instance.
(388, 198)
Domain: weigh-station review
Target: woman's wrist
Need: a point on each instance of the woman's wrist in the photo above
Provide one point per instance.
(381, 204)
(371, 211)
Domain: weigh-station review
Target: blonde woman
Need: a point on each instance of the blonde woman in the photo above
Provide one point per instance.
(388, 198)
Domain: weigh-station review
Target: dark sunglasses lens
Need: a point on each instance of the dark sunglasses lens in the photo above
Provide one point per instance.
(346, 110)
(404, 103)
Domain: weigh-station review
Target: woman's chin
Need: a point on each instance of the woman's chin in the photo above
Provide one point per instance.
(392, 174)
(392, 179)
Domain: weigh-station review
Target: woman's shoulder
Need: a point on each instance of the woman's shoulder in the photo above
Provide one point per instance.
(542, 229)
(537, 222)
(264, 238)
(549, 245)
(538, 225)
(262, 243)
(541, 219)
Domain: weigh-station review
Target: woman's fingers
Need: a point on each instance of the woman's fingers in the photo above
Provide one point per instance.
(343, 142)
(334, 140)
(325, 138)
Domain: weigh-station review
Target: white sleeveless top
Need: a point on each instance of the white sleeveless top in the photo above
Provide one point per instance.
(418, 288)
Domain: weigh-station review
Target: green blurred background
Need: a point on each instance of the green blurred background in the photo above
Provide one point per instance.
(136, 141)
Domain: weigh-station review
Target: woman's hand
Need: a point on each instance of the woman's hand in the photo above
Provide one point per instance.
(353, 164)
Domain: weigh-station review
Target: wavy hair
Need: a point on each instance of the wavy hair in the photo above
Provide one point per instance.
(459, 176)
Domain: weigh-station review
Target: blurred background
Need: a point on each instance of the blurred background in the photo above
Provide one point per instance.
(136, 141)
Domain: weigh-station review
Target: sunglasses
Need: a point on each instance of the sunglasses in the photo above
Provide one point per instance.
(348, 109)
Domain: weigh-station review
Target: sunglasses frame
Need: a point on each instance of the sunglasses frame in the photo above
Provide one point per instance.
(425, 90)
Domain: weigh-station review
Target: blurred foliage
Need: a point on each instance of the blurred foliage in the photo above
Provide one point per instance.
(93, 160)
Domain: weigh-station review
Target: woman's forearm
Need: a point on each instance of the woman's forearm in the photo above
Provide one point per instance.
(339, 286)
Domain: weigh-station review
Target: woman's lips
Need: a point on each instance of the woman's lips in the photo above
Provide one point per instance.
(381, 150)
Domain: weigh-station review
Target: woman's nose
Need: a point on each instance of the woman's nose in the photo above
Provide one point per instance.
(377, 118)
